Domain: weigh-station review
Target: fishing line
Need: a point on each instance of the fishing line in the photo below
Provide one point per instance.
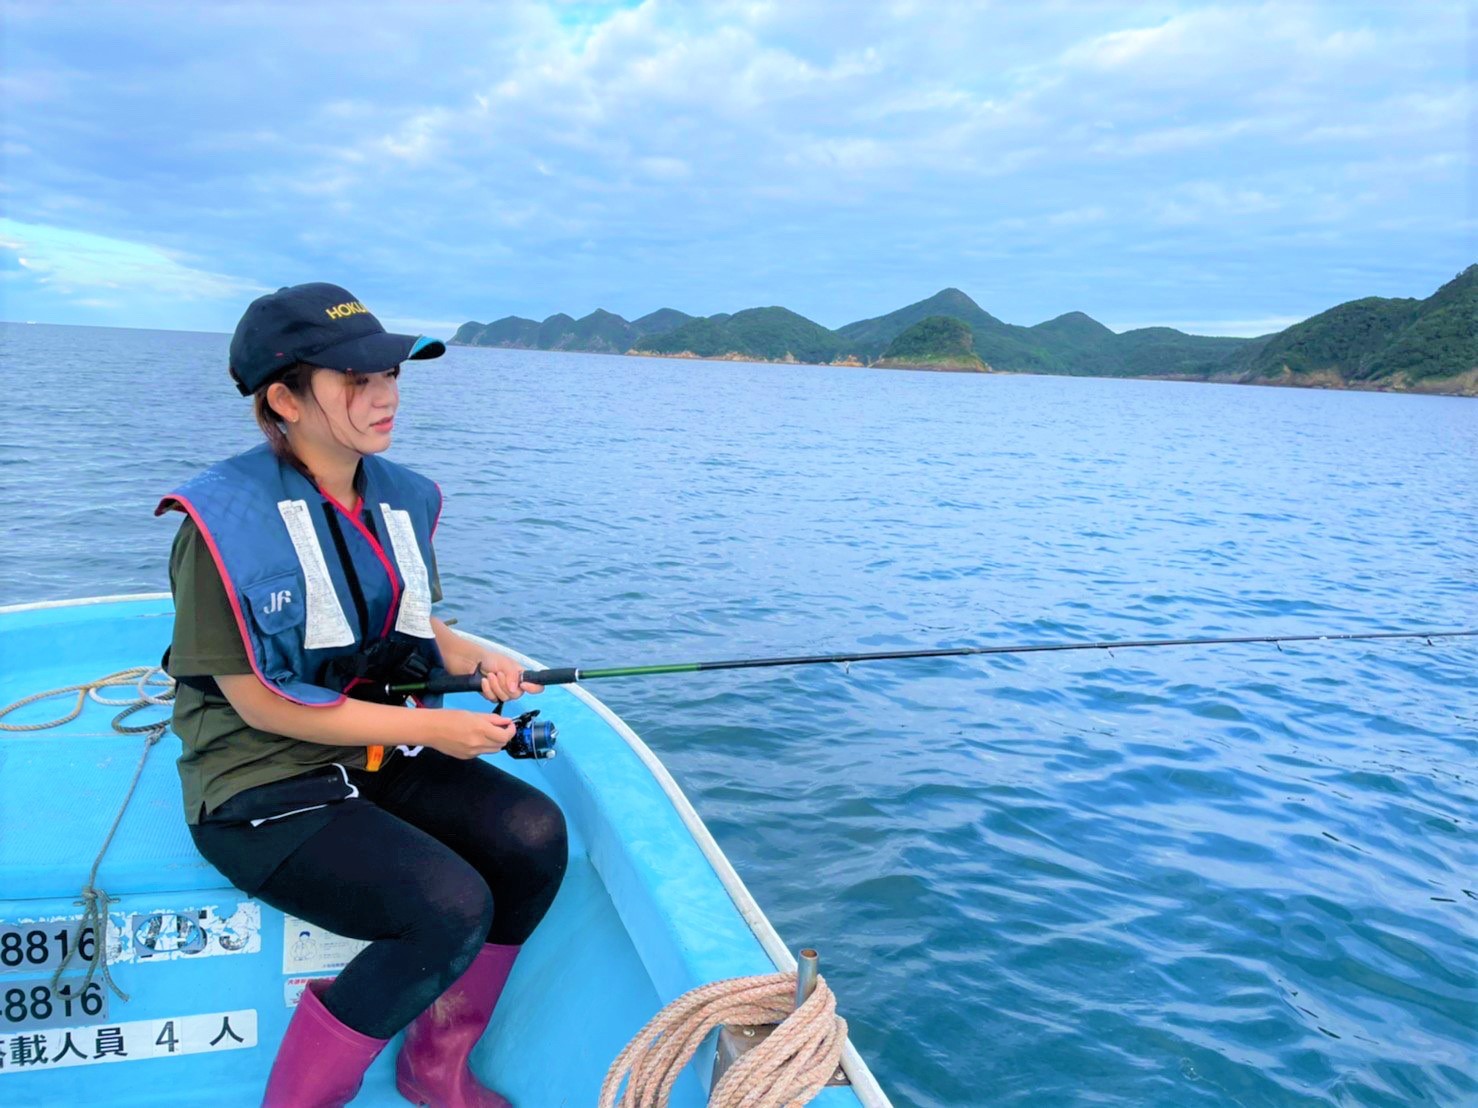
(449, 683)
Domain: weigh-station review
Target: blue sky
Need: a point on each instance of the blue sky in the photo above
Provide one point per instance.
(1223, 168)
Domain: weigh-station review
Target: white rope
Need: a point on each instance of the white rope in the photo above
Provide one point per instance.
(140, 677)
(94, 900)
(786, 1070)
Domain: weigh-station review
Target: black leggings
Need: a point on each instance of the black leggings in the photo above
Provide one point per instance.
(435, 857)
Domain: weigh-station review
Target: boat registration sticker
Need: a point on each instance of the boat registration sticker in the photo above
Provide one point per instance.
(27, 1005)
(192, 933)
(95, 1044)
(33, 945)
(307, 948)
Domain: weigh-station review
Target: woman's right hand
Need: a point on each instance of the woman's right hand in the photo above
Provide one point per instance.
(465, 735)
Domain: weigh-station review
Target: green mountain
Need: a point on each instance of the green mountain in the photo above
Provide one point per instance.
(600, 332)
(1442, 341)
(1001, 345)
(1075, 329)
(1073, 343)
(1430, 344)
(663, 319)
(508, 331)
(937, 342)
(1075, 338)
(758, 334)
(867, 338)
(1398, 343)
(1166, 352)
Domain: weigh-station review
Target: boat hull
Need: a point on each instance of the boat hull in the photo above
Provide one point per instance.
(211, 974)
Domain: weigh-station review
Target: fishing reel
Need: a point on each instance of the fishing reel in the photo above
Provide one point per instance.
(530, 739)
(388, 672)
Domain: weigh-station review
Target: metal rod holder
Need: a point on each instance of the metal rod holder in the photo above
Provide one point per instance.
(808, 965)
(736, 1040)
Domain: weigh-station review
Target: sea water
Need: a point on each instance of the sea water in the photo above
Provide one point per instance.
(1204, 876)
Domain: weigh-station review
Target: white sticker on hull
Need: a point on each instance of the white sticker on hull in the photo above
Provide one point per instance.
(292, 989)
(307, 948)
(56, 1048)
(192, 933)
(162, 935)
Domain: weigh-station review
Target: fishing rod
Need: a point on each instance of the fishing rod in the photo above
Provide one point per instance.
(449, 683)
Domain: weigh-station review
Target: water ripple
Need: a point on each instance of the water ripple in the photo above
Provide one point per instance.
(1204, 877)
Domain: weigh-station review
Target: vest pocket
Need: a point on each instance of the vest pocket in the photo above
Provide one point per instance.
(277, 612)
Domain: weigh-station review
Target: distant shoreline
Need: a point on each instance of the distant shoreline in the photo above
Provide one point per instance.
(1374, 344)
(111, 327)
(1467, 382)
(1463, 385)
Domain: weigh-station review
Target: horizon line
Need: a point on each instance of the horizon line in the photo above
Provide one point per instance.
(196, 331)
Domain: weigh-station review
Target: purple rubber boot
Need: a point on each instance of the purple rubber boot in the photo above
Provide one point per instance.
(320, 1063)
(432, 1067)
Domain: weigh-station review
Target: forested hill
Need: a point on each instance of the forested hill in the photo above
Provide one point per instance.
(1378, 342)
(600, 332)
(936, 342)
(1429, 345)
(761, 334)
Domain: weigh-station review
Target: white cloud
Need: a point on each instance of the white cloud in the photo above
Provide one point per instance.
(1204, 43)
(1077, 217)
(1166, 140)
(418, 139)
(1203, 201)
(568, 156)
(69, 260)
(666, 169)
(436, 328)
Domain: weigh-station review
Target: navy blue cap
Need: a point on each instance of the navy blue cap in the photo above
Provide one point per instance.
(320, 324)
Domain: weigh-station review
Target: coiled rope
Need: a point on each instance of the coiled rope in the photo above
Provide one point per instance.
(786, 1070)
(94, 900)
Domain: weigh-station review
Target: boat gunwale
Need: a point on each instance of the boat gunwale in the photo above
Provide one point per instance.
(864, 1084)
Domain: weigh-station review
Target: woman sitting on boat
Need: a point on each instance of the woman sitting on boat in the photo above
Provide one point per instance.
(304, 569)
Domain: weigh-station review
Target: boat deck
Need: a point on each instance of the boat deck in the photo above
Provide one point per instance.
(641, 918)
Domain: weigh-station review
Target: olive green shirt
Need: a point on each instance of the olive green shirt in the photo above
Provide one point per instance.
(223, 754)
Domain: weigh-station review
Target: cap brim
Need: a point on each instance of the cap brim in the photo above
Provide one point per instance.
(377, 353)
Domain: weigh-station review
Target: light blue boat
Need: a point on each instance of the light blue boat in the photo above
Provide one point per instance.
(649, 909)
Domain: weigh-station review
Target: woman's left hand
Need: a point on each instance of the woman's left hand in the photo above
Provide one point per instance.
(502, 678)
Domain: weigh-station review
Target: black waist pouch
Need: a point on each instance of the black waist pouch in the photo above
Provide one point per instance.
(279, 799)
(255, 831)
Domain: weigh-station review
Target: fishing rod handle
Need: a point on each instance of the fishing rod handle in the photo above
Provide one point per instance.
(566, 676)
(443, 683)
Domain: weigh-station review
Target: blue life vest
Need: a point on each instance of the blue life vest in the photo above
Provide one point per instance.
(281, 545)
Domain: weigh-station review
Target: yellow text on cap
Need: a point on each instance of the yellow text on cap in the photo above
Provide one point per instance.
(339, 311)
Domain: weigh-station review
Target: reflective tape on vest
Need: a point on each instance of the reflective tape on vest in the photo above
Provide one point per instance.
(414, 617)
(327, 624)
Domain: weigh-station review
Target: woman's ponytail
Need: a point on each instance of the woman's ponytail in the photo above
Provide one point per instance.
(298, 379)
